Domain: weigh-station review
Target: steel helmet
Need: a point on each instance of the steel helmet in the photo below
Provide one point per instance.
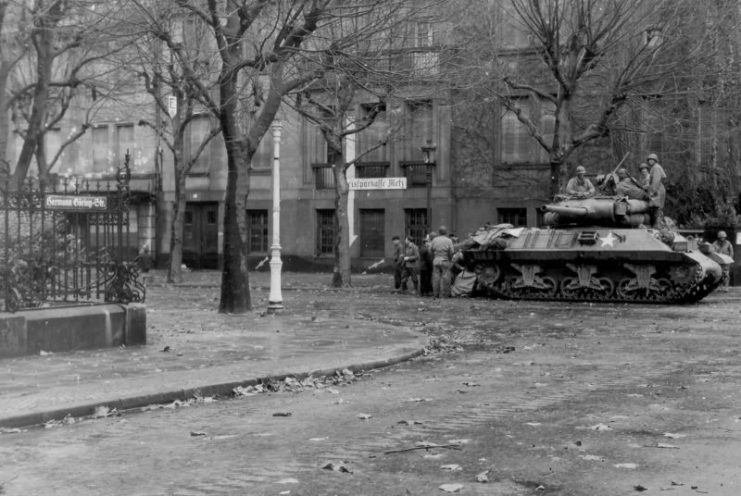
(643, 165)
(722, 234)
(581, 170)
(652, 156)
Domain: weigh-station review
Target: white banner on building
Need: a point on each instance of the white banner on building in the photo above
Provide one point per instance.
(378, 183)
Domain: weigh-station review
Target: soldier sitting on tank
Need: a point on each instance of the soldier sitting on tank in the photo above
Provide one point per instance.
(580, 186)
(628, 186)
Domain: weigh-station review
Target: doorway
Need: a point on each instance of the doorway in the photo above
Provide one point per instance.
(201, 235)
(372, 233)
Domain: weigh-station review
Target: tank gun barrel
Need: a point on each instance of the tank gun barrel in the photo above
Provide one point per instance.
(570, 211)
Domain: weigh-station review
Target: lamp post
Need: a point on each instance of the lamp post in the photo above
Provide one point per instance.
(428, 151)
(275, 299)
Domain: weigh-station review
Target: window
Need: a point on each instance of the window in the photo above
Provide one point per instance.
(124, 142)
(514, 216)
(417, 173)
(198, 130)
(514, 33)
(415, 224)
(325, 231)
(257, 231)
(517, 144)
(263, 158)
(52, 144)
(100, 149)
(547, 127)
(323, 176)
(369, 138)
(419, 126)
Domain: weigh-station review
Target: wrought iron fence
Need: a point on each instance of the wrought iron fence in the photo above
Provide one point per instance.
(67, 243)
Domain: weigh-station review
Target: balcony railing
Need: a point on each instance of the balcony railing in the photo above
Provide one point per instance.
(371, 169)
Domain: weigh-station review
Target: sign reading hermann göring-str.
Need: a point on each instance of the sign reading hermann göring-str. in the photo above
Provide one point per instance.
(378, 183)
(76, 203)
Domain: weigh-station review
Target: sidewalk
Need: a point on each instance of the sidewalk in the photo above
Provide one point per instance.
(194, 351)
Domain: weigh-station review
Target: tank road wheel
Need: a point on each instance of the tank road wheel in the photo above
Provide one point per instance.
(548, 288)
(606, 288)
(599, 288)
(661, 289)
(627, 289)
(570, 288)
(487, 277)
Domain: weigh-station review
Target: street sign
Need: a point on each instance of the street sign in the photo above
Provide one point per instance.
(76, 203)
(378, 183)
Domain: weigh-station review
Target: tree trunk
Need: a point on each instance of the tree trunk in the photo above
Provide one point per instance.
(38, 111)
(175, 271)
(5, 67)
(235, 289)
(555, 177)
(42, 36)
(342, 269)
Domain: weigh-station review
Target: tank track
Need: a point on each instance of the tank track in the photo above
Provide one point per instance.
(686, 283)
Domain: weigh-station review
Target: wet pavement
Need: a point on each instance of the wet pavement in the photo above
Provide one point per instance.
(194, 350)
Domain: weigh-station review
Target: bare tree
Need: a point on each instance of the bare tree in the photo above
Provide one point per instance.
(263, 50)
(67, 49)
(364, 84)
(164, 82)
(594, 55)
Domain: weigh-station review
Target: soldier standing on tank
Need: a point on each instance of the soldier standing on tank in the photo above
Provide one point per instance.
(627, 186)
(656, 191)
(580, 186)
(724, 247)
(644, 178)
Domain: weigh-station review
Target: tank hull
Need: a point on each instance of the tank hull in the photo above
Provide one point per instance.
(593, 263)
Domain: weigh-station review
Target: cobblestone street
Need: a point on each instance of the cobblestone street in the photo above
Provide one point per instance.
(512, 398)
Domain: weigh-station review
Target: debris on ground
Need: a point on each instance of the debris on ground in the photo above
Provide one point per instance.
(483, 477)
(451, 488)
(337, 467)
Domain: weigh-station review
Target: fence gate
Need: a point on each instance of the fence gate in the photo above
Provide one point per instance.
(68, 243)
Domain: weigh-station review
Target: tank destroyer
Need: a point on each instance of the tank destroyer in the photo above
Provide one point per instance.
(595, 249)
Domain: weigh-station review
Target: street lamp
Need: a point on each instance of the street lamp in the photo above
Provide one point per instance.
(428, 151)
(275, 299)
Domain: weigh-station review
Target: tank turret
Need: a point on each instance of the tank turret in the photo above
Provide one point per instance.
(598, 211)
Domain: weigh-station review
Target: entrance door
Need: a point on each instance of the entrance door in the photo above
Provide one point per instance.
(201, 235)
(372, 233)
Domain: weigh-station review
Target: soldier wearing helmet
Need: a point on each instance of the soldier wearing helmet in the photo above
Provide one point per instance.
(656, 190)
(579, 186)
(724, 247)
(628, 186)
(643, 179)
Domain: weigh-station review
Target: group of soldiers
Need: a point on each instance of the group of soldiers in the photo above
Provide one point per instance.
(649, 186)
(428, 267)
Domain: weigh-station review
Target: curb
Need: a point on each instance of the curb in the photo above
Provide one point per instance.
(221, 389)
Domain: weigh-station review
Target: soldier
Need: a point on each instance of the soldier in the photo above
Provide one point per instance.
(580, 186)
(656, 191)
(724, 247)
(644, 178)
(442, 253)
(410, 262)
(398, 262)
(627, 186)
